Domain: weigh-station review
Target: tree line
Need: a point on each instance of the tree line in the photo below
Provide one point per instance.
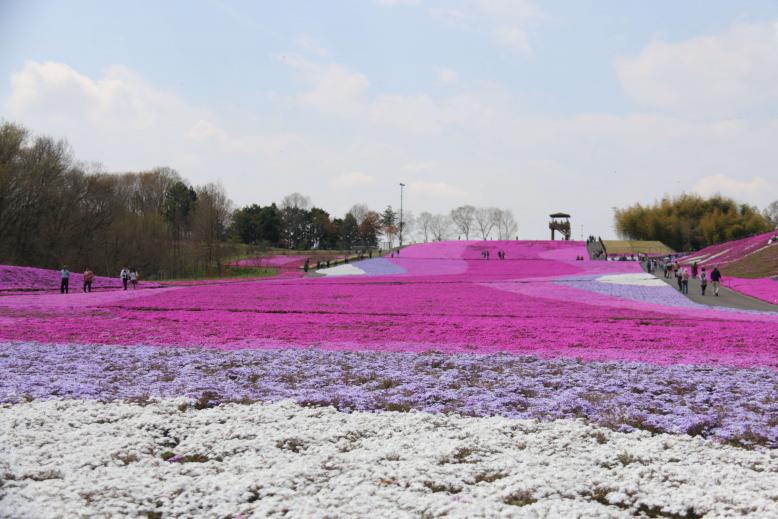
(56, 210)
(690, 222)
(297, 224)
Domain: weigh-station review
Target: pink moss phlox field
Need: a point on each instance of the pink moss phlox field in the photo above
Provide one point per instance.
(765, 289)
(448, 299)
(20, 279)
(727, 252)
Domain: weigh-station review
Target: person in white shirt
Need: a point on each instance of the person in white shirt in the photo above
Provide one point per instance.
(125, 275)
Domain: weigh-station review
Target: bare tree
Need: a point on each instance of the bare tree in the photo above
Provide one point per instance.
(439, 227)
(359, 211)
(486, 219)
(463, 218)
(296, 201)
(771, 213)
(424, 222)
(506, 224)
(409, 223)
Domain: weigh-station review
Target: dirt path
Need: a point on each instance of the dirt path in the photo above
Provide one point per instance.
(726, 298)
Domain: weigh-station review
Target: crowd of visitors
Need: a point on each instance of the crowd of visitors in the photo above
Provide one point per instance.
(486, 254)
(129, 277)
(682, 274)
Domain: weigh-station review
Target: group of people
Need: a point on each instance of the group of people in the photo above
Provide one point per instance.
(64, 280)
(129, 276)
(485, 254)
(683, 274)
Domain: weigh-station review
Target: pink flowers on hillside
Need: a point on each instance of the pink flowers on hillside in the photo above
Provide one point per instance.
(22, 279)
(447, 298)
(765, 289)
(727, 252)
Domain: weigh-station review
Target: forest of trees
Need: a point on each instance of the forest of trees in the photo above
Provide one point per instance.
(690, 222)
(55, 210)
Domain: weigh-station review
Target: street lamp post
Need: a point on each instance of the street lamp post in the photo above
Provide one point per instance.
(401, 214)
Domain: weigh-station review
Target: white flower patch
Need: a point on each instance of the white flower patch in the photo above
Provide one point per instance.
(87, 459)
(642, 279)
(345, 269)
(705, 258)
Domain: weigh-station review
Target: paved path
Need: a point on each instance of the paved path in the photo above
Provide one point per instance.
(727, 298)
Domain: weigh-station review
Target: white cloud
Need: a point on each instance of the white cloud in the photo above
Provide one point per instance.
(419, 166)
(398, 2)
(505, 20)
(437, 189)
(755, 188)
(204, 131)
(310, 45)
(350, 180)
(515, 10)
(514, 38)
(710, 75)
(120, 98)
(446, 76)
(332, 87)
(451, 16)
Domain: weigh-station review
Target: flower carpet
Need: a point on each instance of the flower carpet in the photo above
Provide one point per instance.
(434, 383)
(29, 279)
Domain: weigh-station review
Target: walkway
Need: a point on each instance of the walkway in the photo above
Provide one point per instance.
(727, 298)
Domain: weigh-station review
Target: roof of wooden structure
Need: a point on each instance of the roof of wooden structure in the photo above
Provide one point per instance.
(559, 215)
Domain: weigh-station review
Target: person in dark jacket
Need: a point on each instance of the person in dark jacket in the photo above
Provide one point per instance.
(715, 280)
(703, 280)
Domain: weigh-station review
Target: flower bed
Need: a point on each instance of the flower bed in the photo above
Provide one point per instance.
(765, 289)
(435, 382)
(495, 305)
(23, 279)
(618, 395)
(174, 458)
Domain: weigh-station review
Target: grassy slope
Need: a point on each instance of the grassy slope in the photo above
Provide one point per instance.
(635, 247)
(761, 264)
(227, 272)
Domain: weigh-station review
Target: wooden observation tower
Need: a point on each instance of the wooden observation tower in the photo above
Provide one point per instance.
(560, 222)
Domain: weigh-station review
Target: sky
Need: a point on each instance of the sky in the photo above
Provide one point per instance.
(528, 105)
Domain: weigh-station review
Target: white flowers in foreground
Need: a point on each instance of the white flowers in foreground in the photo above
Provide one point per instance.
(84, 458)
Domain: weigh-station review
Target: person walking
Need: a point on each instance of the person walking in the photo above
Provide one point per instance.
(125, 276)
(715, 280)
(695, 269)
(89, 276)
(64, 280)
(703, 280)
(685, 281)
(134, 278)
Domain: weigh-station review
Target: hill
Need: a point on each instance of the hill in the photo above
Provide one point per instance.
(752, 257)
